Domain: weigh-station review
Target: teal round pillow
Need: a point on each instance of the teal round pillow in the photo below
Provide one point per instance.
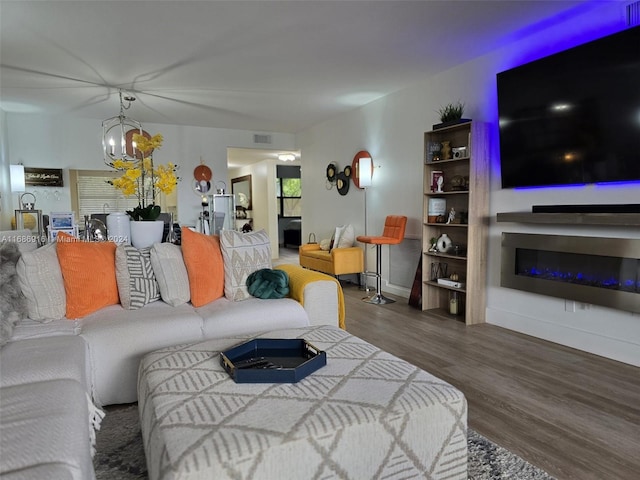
(267, 283)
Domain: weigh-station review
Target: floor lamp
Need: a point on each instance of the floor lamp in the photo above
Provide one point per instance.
(364, 174)
(16, 174)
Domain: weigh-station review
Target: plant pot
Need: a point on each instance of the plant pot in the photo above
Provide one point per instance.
(145, 234)
(451, 123)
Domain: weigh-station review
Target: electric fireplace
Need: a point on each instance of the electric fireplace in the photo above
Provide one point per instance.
(601, 271)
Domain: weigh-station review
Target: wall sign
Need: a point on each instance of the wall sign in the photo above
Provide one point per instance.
(43, 177)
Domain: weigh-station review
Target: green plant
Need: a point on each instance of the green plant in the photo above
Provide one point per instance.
(148, 213)
(451, 111)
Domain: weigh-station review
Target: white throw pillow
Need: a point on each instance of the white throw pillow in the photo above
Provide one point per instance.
(325, 244)
(347, 237)
(41, 282)
(171, 273)
(243, 254)
(137, 283)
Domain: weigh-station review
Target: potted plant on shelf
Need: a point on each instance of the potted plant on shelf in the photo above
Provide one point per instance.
(142, 178)
(451, 114)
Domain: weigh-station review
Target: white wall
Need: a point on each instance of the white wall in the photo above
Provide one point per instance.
(392, 128)
(68, 142)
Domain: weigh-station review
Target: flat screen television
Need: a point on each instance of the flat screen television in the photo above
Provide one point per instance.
(573, 117)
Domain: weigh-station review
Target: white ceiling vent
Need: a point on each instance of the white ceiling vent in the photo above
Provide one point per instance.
(633, 14)
(262, 138)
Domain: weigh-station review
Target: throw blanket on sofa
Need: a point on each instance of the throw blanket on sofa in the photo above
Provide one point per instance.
(300, 277)
(266, 283)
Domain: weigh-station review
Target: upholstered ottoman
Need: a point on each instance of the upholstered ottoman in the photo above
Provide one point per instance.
(366, 414)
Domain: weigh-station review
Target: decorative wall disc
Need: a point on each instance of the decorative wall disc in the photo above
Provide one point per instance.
(332, 171)
(342, 183)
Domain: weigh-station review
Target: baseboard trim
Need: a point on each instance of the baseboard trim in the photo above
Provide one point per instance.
(608, 347)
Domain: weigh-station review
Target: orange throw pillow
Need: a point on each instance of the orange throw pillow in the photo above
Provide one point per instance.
(205, 268)
(89, 274)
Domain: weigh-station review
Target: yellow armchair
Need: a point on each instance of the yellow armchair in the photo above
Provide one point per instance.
(339, 261)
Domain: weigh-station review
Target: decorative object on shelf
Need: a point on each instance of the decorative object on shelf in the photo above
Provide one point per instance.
(438, 270)
(437, 208)
(444, 243)
(454, 303)
(446, 150)
(459, 152)
(94, 230)
(433, 152)
(452, 216)
(146, 233)
(434, 245)
(118, 228)
(451, 114)
(32, 220)
(29, 203)
(437, 180)
(458, 183)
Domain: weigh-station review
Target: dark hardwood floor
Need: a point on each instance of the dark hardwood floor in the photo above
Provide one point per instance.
(573, 414)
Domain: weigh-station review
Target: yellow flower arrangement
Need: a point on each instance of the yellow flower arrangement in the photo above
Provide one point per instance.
(142, 179)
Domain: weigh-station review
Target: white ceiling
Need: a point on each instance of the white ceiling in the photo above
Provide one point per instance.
(278, 66)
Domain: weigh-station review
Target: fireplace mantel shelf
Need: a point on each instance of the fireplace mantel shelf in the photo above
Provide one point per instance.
(610, 219)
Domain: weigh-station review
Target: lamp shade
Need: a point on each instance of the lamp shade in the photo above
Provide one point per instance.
(365, 171)
(17, 178)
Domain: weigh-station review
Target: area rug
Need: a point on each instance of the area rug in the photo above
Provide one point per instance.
(120, 454)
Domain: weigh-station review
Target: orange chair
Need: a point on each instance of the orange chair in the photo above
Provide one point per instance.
(393, 234)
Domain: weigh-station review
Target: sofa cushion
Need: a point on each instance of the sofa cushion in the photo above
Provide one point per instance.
(89, 273)
(171, 273)
(205, 268)
(46, 431)
(137, 283)
(13, 306)
(225, 318)
(42, 283)
(119, 338)
(243, 254)
(44, 359)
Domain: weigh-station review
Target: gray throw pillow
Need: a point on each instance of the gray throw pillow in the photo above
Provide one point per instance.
(13, 305)
(137, 283)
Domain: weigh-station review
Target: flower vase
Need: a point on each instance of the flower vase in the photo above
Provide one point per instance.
(144, 233)
(119, 228)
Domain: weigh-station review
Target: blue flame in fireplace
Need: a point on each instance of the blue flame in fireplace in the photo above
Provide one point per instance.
(610, 282)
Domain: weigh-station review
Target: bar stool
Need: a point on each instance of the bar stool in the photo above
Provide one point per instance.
(393, 234)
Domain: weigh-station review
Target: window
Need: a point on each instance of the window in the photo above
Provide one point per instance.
(289, 193)
(90, 193)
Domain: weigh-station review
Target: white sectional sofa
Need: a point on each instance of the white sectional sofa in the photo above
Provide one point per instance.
(55, 373)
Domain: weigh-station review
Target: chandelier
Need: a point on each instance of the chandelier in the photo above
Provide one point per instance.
(117, 132)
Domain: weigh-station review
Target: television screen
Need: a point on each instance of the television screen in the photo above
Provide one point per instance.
(573, 117)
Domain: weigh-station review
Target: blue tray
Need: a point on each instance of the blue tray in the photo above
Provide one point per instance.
(272, 360)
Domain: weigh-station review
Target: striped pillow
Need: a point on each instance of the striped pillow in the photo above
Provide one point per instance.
(137, 283)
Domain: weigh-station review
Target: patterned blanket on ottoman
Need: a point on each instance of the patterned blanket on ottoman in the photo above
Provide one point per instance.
(366, 414)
